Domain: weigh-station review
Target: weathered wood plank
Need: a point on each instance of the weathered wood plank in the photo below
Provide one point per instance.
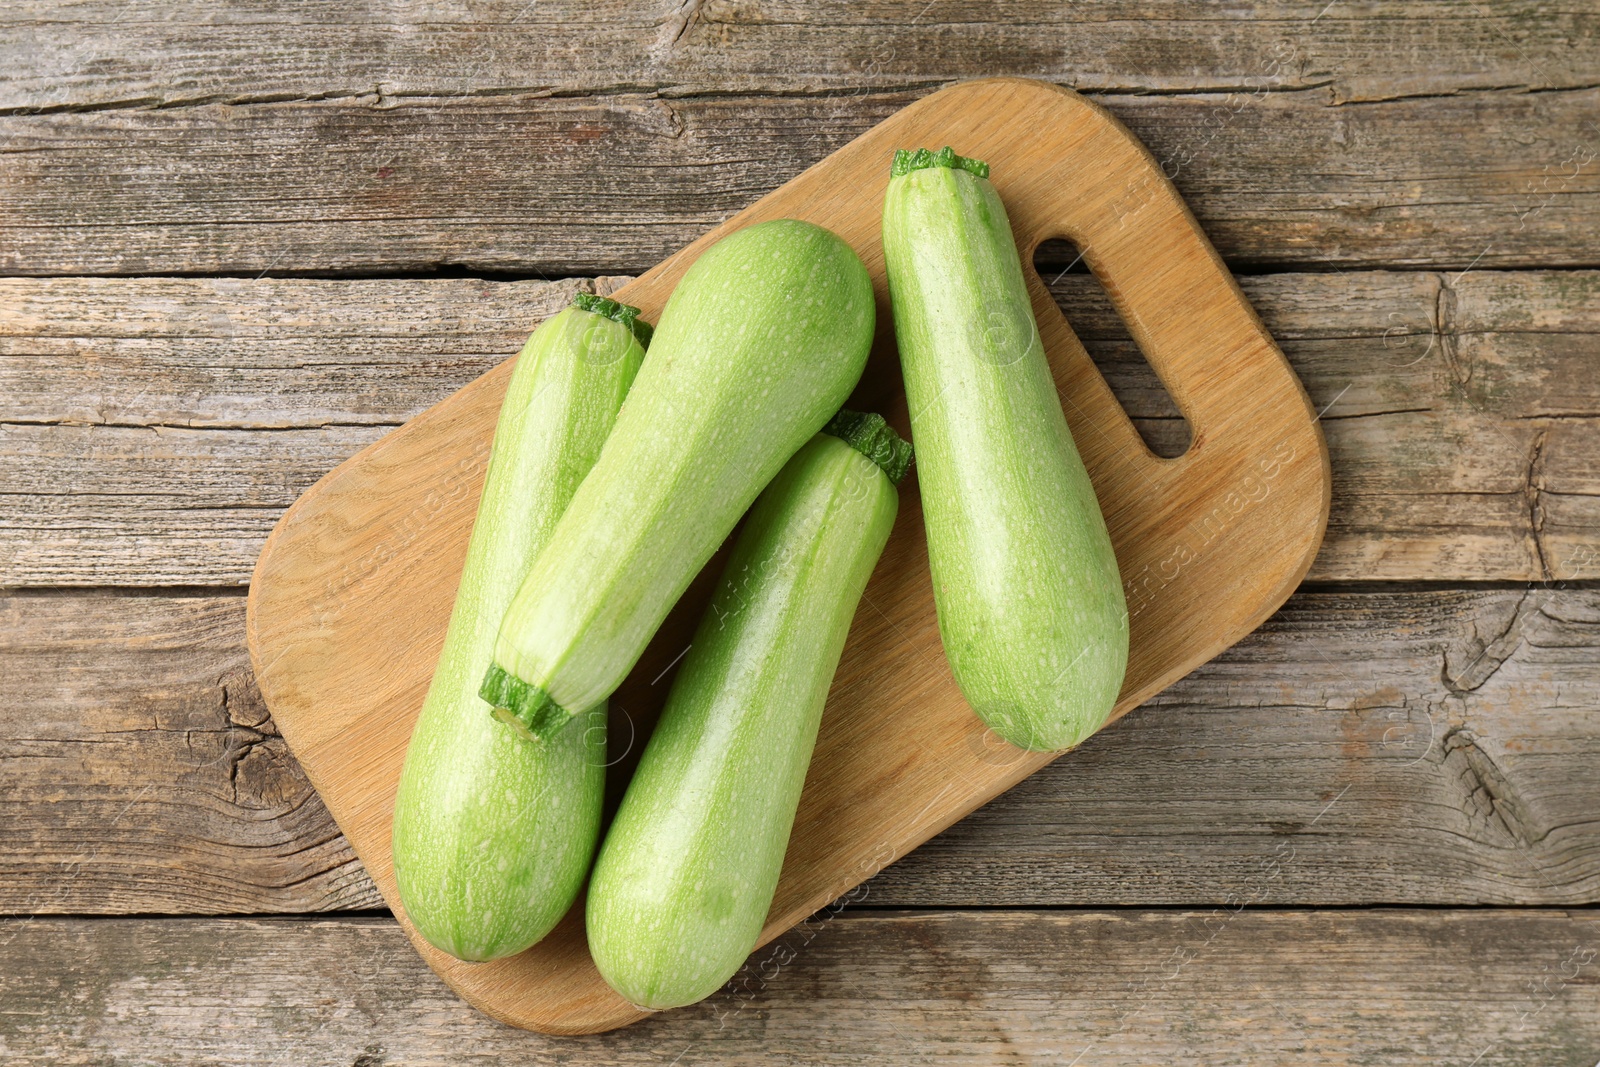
(152, 430)
(100, 53)
(229, 353)
(144, 772)
(616, 182)
(1357, 749)
(1411, 746)
(1395, 987)
(1459, 412)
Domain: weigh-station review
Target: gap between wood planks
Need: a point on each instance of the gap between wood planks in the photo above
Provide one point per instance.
(380, 97)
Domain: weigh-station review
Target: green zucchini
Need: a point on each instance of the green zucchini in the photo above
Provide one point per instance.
(493, 834)
(760, 343)
(1025, 581)
(687, 872)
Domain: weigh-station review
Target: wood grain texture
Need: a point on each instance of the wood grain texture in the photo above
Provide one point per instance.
(102, 53)
(350, 597)
(1380, 741)
(617, 182)
(152, 431)
(263, 354)
(1133, 988)
(1453, 472)
(1455, 732)
(143, 771)
(155, 429)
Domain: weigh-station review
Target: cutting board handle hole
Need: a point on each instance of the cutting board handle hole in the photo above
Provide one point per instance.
(1126, 369)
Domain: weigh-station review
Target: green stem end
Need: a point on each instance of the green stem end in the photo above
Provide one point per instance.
(906, 161)
(869, 434)
(626, 314)
(526, 708)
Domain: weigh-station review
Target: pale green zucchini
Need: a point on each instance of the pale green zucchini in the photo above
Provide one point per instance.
(493, 833)
(687, 872)
(760, 343)
(1029, 599)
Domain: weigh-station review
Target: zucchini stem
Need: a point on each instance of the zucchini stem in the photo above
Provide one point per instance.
(616, 311)
(869, 434)
(521, 705)
(906, 161)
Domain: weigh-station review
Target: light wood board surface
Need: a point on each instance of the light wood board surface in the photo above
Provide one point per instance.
(349, 599)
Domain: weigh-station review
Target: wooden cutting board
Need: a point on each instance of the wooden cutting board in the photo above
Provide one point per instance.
(350, 599)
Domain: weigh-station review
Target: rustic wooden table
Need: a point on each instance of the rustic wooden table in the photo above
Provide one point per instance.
(242, 240)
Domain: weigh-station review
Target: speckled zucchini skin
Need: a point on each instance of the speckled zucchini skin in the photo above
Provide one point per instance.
(760, 343)
(1025, 580)
(687, 872)
(493, 832)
